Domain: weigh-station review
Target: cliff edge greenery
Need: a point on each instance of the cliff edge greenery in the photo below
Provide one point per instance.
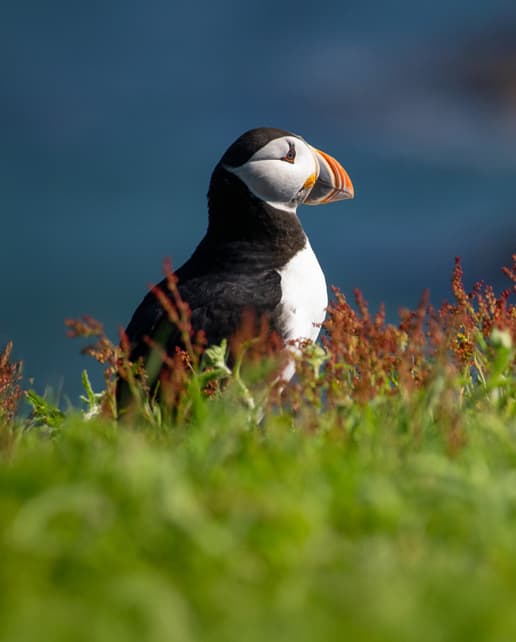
(372, 498)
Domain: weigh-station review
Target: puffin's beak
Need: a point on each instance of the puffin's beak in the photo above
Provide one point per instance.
(332, 183)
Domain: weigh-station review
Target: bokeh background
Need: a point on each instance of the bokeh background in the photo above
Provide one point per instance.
(113, 114)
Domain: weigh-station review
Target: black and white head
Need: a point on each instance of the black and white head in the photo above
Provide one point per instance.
(283, 170)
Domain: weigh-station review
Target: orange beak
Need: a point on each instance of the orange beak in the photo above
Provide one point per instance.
(332, 183)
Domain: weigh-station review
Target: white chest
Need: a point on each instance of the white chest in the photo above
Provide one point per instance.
(304, 295)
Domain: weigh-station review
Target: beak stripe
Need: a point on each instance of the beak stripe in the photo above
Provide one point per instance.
(332, 183)
(341, 180)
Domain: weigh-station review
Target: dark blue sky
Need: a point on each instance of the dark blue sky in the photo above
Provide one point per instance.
(112, 116)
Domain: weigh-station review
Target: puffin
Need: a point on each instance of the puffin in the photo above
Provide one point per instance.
(255, 254)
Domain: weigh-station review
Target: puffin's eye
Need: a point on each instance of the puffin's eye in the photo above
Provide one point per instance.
(290, 156)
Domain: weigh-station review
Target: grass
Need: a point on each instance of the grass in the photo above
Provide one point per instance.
(376, 500)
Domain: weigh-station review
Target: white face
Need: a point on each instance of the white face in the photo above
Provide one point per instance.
(281, 173)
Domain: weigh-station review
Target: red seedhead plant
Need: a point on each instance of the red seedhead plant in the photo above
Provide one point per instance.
(368, 357)
(104, 351)
(10, 385)
(364, 357)
(175, 370)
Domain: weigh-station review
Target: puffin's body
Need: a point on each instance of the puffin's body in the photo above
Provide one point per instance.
(255, 255)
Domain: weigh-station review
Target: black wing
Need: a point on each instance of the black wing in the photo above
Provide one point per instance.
(217, 302)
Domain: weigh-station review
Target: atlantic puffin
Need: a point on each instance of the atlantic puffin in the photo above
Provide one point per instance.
(255, 254)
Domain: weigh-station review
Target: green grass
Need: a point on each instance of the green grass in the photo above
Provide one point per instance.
(372, 530)
(375, 500)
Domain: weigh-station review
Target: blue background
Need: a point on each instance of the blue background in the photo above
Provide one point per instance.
(113, 115)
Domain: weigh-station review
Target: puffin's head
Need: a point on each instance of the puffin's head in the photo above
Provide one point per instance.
(283, 170)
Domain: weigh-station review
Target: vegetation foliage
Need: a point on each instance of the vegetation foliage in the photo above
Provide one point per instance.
(372, 498)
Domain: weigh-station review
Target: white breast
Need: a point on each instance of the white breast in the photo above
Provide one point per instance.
(304, 296)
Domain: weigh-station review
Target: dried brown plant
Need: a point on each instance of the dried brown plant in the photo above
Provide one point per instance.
(364, 356)
(369, 357)
(10, 385)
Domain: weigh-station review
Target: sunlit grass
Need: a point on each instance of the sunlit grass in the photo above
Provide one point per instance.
(373, 499)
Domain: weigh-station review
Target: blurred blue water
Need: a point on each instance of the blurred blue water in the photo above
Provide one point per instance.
(112, 116)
